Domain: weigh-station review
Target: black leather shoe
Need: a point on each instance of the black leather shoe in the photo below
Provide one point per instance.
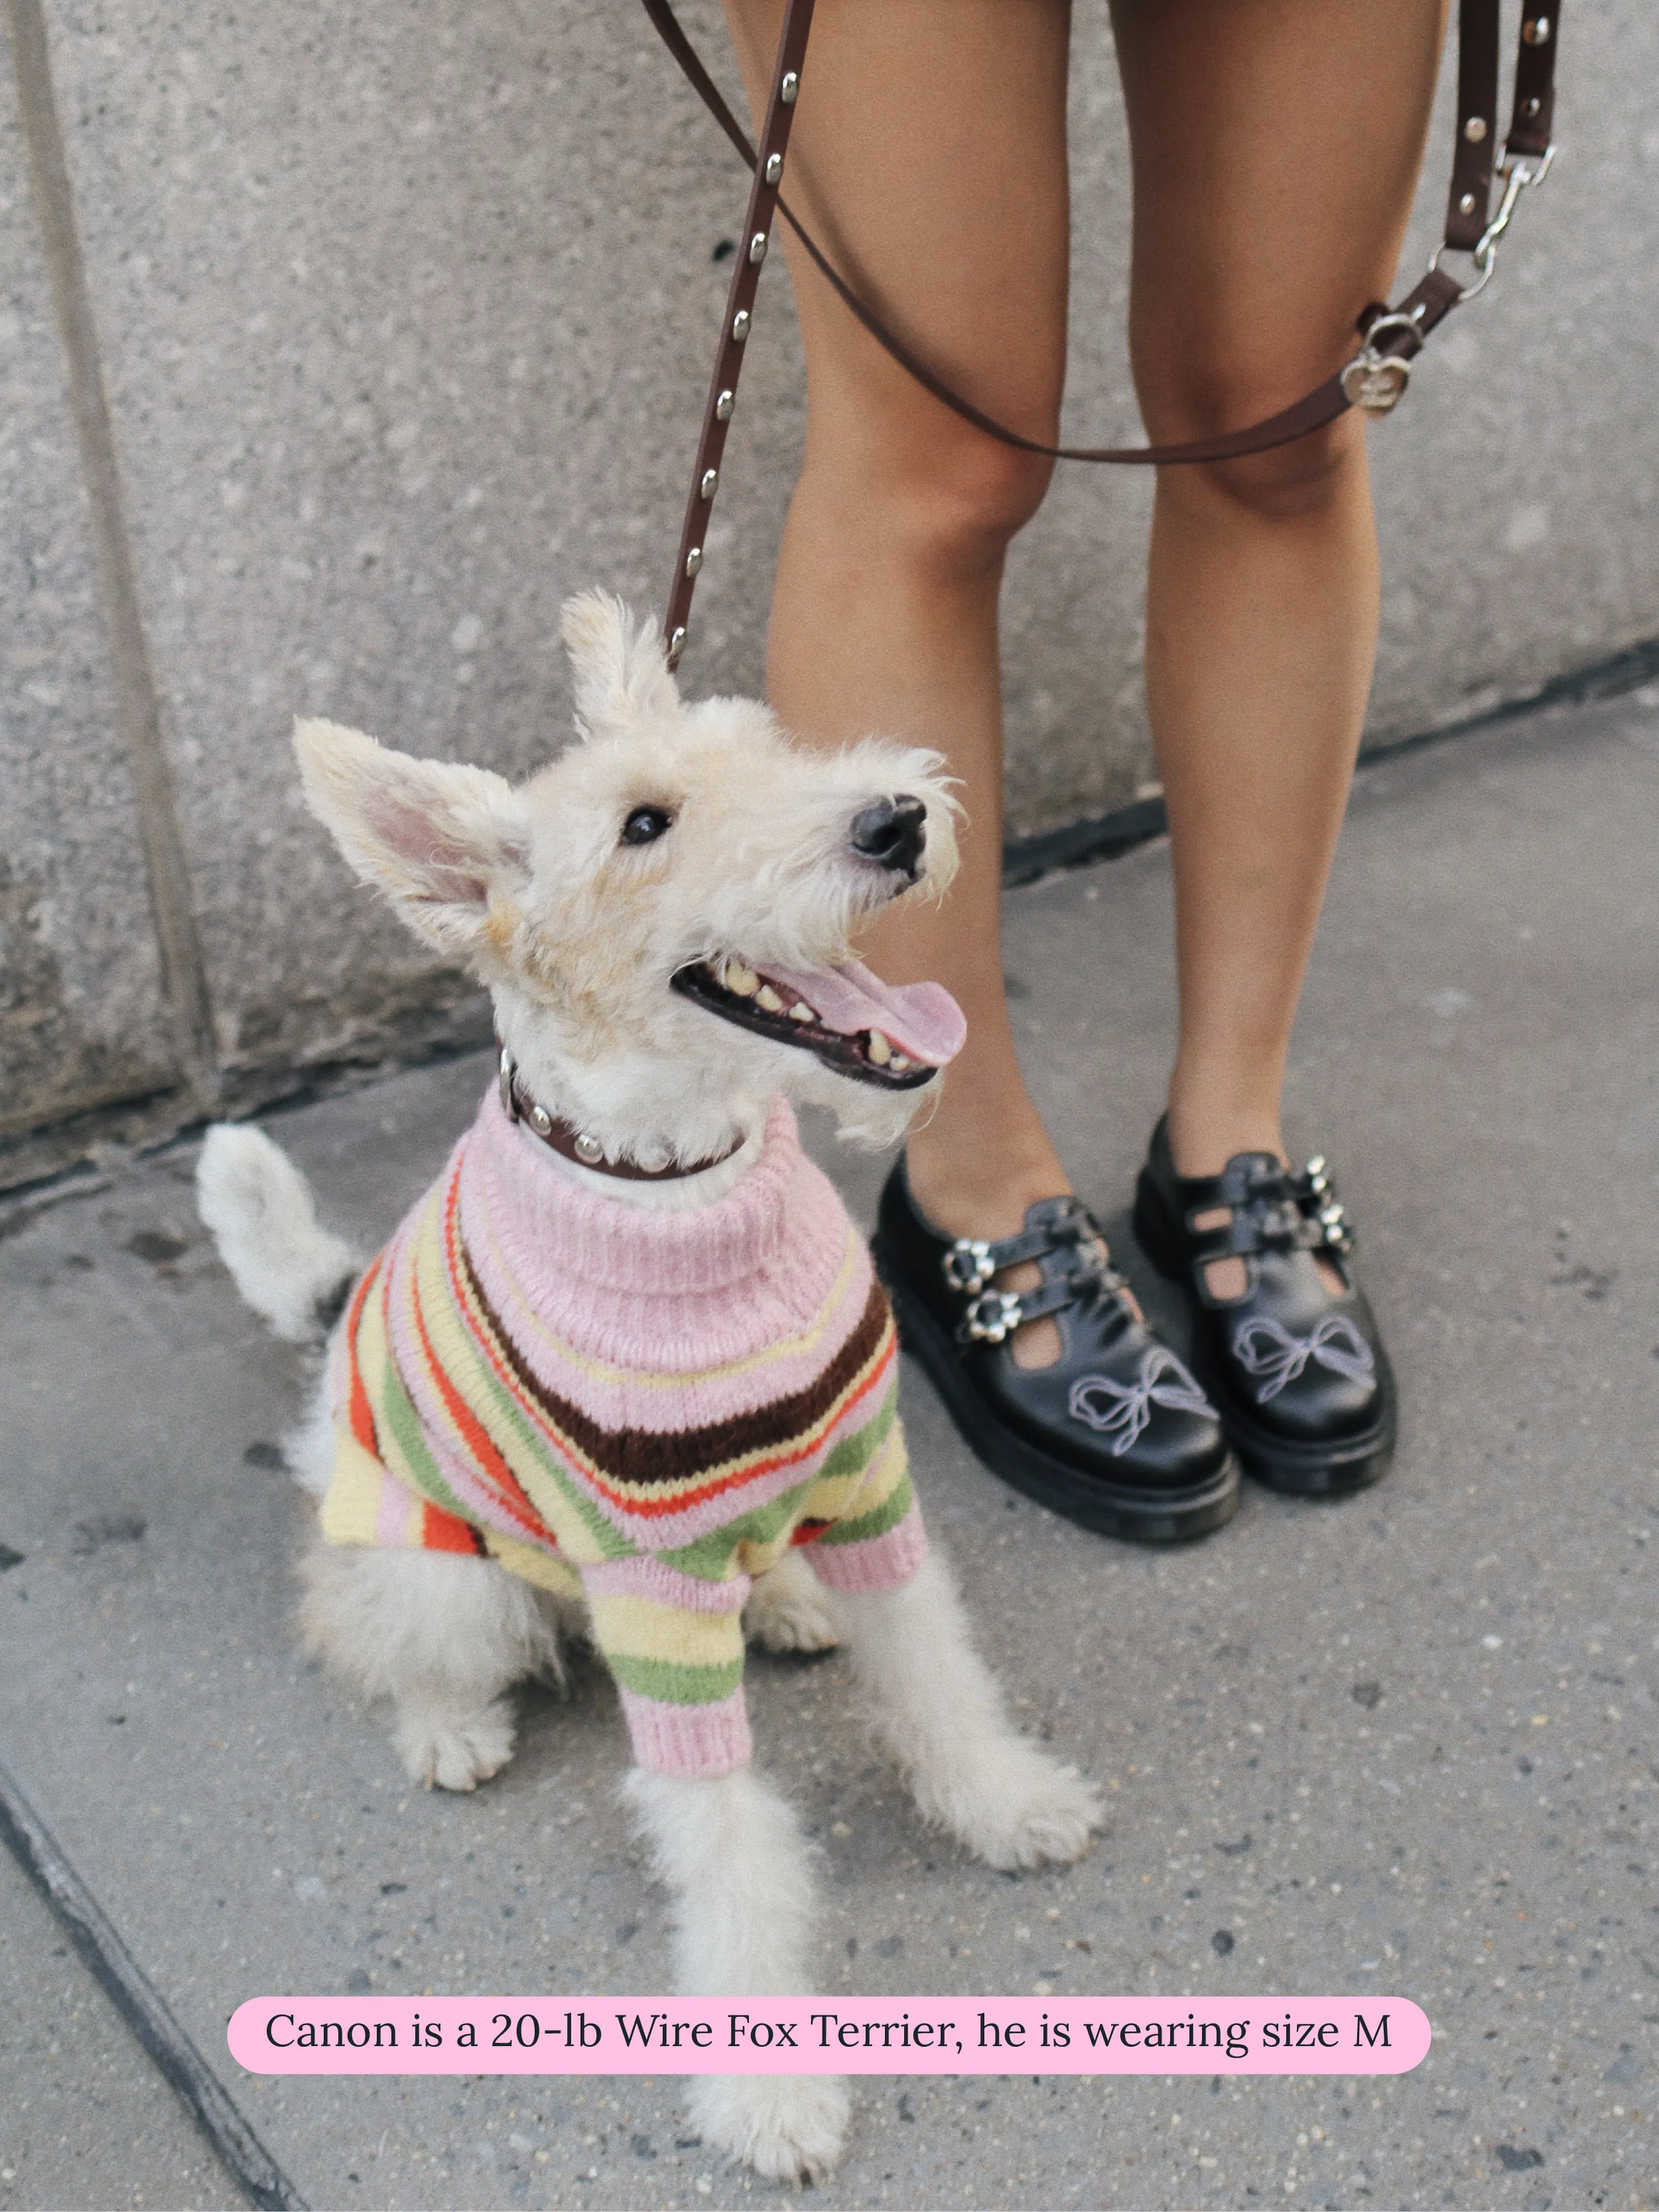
(1297, 1370)
(1116, 1436)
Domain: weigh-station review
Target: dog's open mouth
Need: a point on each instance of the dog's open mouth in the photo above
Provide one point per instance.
(893, 1036)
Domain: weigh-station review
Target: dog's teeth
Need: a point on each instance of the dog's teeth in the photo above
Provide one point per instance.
(767, 999)
(878, 1049)
(899, 1062)
(739, 979)
(800, 1012)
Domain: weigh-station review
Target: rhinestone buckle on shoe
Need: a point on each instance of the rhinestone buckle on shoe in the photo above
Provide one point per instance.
(1316, 1196)
(968, 1265)
(991, 1318)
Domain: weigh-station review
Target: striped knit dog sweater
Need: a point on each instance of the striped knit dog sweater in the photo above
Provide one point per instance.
(644, 1409)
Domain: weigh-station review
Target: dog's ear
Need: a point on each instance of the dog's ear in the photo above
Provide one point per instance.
(620, 666)
(438, 839)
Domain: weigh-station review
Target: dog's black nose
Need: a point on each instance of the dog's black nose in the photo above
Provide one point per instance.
(892, 832)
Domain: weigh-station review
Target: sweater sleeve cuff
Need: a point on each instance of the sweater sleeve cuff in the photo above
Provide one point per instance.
(690, 1740)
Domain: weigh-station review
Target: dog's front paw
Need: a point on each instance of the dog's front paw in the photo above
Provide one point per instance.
(1019, 1809)
(790, 1610)
(788, 2127)
(448, 1750)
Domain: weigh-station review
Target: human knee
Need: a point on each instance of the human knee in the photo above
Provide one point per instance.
(952, 504)
(1287, 483)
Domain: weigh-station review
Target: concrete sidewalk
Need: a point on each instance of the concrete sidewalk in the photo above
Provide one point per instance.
(1404, 1744)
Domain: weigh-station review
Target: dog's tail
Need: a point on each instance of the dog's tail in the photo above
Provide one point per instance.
(263, 1219)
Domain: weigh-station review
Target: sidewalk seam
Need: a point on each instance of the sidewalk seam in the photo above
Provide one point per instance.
(261, 2180)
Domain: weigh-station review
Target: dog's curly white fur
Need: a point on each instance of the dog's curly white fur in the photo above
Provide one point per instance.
(576, 936)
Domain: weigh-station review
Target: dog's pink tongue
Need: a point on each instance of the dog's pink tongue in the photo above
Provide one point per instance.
(921, 1019)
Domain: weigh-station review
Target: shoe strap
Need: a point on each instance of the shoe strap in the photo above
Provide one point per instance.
(970, 1262)
(1266, 1211)
(1068, 1227)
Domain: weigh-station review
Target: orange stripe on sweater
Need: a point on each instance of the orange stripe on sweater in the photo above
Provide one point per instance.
(444, 1532)
(359, 1413)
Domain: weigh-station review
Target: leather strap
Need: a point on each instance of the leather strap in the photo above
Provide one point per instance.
(1533, 112)
(571, 1143)
(768, 167)
(1400, 332)
(1476, 144)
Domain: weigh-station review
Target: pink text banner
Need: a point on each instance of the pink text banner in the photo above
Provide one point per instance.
(1369, 2034)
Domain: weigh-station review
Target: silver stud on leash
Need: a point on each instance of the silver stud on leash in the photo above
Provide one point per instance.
(694, 561)
(706, 488)
(790, 86)
(1475, 129)
(723, 406)
(757, 246)
(774, 168)
(740, 325)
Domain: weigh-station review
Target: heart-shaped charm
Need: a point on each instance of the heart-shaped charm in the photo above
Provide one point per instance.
(1374, 384)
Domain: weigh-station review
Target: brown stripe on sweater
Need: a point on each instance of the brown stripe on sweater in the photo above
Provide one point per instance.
(646, 1459)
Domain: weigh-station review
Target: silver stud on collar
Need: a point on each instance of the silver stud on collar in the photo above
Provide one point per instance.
(588, 1150)
(540, 1121)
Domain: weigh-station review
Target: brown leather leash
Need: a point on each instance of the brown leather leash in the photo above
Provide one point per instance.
(1390, 337)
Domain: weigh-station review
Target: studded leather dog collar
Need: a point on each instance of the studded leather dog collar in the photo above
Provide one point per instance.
(571, 1143)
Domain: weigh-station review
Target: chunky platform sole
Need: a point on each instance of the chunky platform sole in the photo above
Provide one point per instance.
(1333, 1469)
(1108, 1509)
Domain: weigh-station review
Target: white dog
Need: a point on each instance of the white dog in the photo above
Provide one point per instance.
(625, 1368)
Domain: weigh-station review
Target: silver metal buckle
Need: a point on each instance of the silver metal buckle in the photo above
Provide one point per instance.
(966, 1266)
(509, 1104)
(990, 1318)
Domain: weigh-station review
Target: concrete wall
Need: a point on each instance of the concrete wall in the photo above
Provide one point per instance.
(384, 389)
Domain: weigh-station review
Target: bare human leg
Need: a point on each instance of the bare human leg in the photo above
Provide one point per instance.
(1276, 148)
(929, 155)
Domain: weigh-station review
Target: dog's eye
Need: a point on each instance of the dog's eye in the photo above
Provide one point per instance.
(646, 824)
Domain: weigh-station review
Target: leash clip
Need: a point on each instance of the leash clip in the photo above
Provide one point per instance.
(1518, 172)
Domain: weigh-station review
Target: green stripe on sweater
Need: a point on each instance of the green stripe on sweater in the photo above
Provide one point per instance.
(403, 1423)
(538, 1459)
(880, 1518)
(672, 1684)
